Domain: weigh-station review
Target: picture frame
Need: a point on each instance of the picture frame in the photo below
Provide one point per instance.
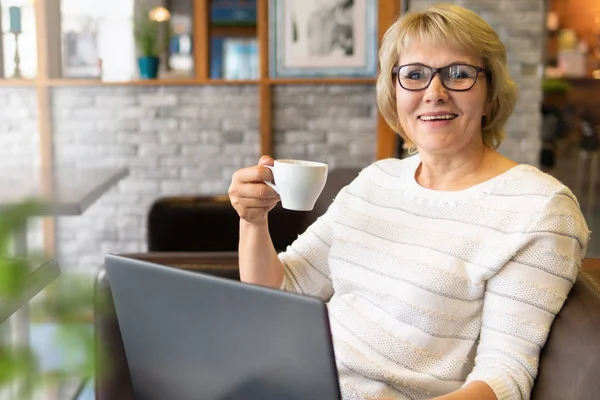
(323, 38)
(80, 55)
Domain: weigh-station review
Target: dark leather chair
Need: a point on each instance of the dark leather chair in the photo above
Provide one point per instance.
(210, 223)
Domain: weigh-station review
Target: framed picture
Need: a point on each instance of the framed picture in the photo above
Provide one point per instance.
(323, 38)
(80, 55)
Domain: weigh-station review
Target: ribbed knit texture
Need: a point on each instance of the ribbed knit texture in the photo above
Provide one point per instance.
(429, 290)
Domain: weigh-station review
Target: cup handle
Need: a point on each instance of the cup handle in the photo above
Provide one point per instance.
(271, 184)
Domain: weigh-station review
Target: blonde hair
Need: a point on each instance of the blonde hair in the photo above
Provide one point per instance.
(464, 31)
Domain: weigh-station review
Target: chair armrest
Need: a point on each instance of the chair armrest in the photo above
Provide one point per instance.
(569, 365)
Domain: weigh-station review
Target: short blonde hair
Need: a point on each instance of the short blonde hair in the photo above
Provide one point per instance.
(464, 31)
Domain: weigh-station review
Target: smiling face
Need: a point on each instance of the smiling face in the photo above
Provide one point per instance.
(438, 120)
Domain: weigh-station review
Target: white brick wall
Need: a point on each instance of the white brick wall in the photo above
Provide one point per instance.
(19, 134)
(334, 124)
(174, 140)
(19, 143)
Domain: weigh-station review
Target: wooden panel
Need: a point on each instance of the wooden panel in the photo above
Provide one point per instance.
(18, 82)
(45, 119)
(194, 81)
(149, 82)
(386, 137)
(265, 91)
(263, 37)
(266, 137)
(201, 40)
(322, 81)
(46, 160)
(233, 31)
(224, 258)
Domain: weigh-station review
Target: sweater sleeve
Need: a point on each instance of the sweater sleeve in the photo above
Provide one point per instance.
(306, 265)
(523, 298)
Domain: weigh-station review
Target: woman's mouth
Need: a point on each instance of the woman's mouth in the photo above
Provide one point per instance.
(443, 117)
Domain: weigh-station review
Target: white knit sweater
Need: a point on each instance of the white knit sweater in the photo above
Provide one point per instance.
(429, 290)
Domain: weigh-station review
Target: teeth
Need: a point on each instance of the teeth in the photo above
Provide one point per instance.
(434, 117)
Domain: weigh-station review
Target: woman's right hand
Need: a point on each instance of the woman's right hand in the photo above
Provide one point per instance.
(250, 196)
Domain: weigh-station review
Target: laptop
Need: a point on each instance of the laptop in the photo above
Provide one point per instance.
(192, 336)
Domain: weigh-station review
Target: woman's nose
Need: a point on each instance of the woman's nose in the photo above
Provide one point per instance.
(436, 92)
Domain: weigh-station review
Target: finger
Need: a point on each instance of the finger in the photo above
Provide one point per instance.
(266, 160)
(255, 191)
(253, 174)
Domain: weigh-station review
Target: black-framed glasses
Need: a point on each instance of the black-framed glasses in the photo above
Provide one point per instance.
(456, 77)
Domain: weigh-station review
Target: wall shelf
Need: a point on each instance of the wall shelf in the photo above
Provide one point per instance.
(225, 82)
(18, 82)
(321, 81)
(148, 82)
(195, 81)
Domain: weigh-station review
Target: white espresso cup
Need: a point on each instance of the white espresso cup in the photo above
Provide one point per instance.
(298, 183)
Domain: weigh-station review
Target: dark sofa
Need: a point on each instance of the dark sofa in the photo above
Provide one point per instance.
(569, 365)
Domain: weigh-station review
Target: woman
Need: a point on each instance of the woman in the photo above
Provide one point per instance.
(443, 271)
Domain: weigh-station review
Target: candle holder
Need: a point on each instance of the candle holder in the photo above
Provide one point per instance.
(17, 58)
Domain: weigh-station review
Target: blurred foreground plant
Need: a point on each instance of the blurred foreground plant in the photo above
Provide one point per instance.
(70, 301)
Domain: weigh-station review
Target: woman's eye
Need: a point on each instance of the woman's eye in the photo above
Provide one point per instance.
(415, 75)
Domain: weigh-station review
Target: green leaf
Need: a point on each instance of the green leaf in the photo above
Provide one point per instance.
(16, 365)
(151, 37)
(12, 219)
(555, 85)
